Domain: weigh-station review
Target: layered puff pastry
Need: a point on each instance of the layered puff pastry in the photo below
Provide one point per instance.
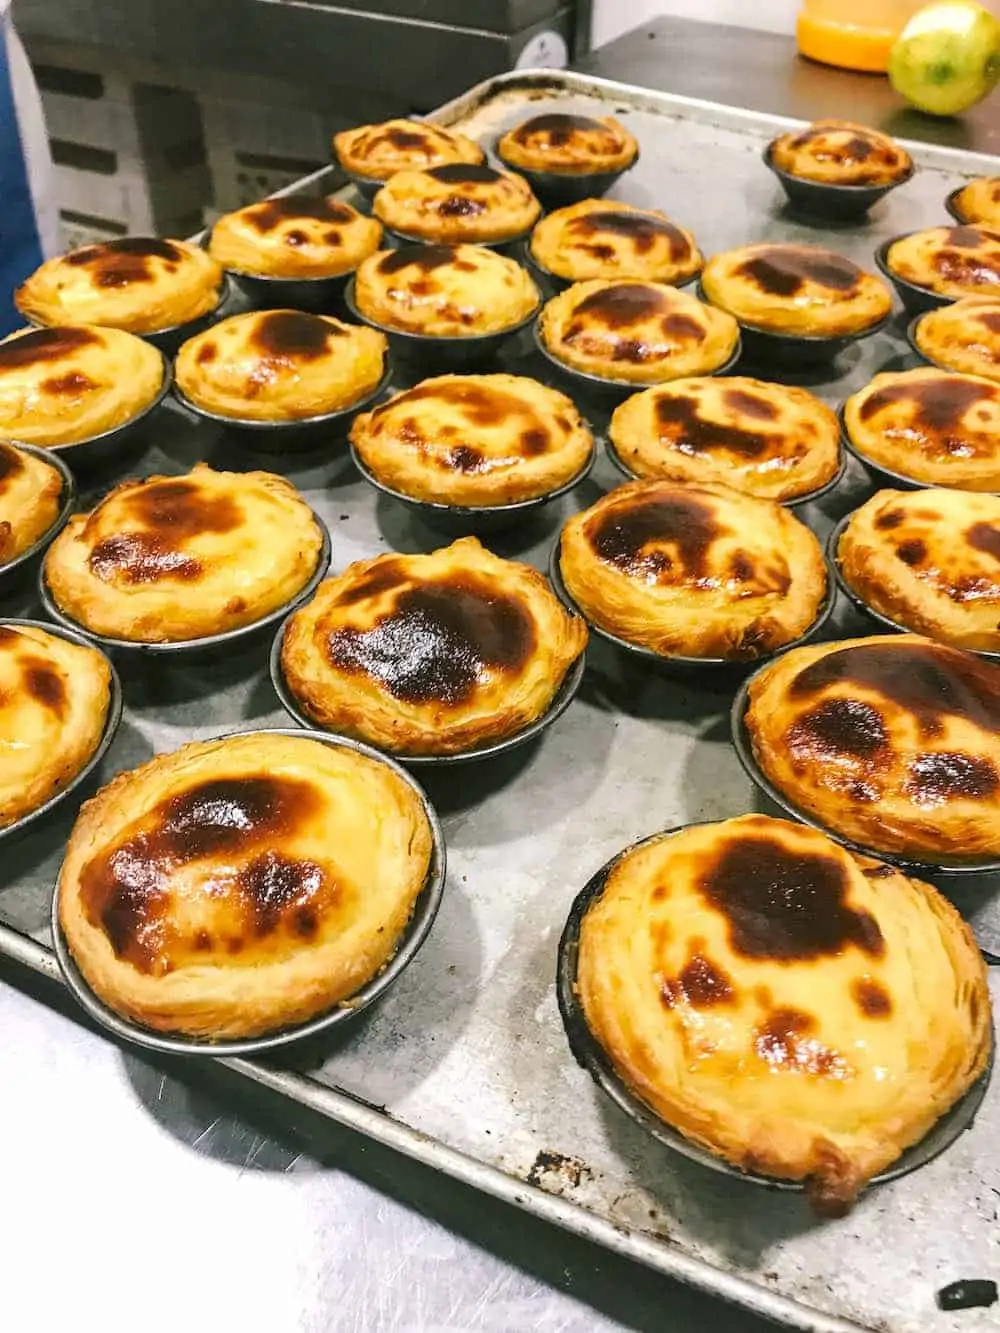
(457, 202)
(978, 202)
(280, 365)
(295, 236)
(771, 440)
(798, 289)
(952, 261)
(890, 742)
(930, 561)
(62, 385)
(240, 886)
(798, 1011)
(54, 702)
(838, 152)
(641, 332)
(142, 284)
(31, 499)
(693, 571)
(444, 291)
(171, 559)
(431, 654)
(474, 440)
(605, 238)
(941, 429)
(963, 336)
(568, 145)
(377, 152)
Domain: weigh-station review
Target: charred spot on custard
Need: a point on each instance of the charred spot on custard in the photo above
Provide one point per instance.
(701, 984)
(464, 173)
(872, 999)
(938, 403)
(269, 214)
(281, 335)
(681, 422)
(937, 777)
(623, 535)
(141, 557)
(383, 576)
(207, 353)
(41, 345)
(425, 258)
(622, 304)
(984, 537)
(784, 271)
(276, 887)
(643, 230)
(558, 128)
(44, 684)
(122, 263)
(786, 1042)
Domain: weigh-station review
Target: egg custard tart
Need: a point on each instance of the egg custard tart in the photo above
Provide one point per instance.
(176, 558)
(978, 203)
(693, 571)
(930, 561)
(377, 152)
(458, 202)
(772, 440)
(798, 1011)
(54, 702)
(838, 152)
(951, 261)
(295, 236)
(142, 284)
(444, 291)
(642, 332)
(31, 499)
(963, 336)
(941, 429)
(568, 145)
(605, 238)
(431, 654)
(62, 385)
(798, 289)
(891, 742)
(243, 885)
(280, 365)
(474, 440)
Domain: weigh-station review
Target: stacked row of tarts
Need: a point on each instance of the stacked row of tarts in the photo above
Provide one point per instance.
(787, 996)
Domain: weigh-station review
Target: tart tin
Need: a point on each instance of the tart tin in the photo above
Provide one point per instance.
(828, 201)
(744, 752)
(555, 189)
(169, 340)
(560, 702)
(413, 936)
(916, 300)
(952, 205)
(318, 296)
(211, 647)
(463, 519)
(883, 621)
(882, 476)
(563, 284)
(792, 502)
(291, 436)
(725, 667)
(112, 721)
(590, 1055)
(439, 354)
(15, 570)
(599, 388)
(510, 245)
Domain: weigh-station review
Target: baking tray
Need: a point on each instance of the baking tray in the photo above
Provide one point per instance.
(464, 1066)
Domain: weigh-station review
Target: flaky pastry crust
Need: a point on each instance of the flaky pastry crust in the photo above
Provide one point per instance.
(605, 238)
(953, 261)
(295, 236)
(963, 336)
(839, 152)
(459, 202)
(379, 151)
(568, 145)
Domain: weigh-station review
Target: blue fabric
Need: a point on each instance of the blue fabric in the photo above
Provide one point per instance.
(20, 247)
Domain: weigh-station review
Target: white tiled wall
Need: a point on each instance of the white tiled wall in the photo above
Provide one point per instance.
(613, 17)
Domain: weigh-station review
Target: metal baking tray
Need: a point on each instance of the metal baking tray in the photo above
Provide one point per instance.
(465, 1066)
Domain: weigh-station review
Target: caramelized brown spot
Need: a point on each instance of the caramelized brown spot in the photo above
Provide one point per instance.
(141, 557)
(464, 173)
(284, 334)
(202, 941)
(890, 519)
(207, 353)
(785, 270)
(622, 535)
(11, 464)
(426, 258)
(750, 404)
(296, 237)
(871, 998)
(534, 442)
(557, 127)
(839, 726)
(463, 458)
(958, 261)
(985, 537)
(683, 328)
(704, 984)
(74, 381)
(939, 403)
(912, 552)
(786, 906)
(642, 229)
(43, 345)
(44, 684)
(681, 422)
(785, 1042)
(272, 883)
(264, 217)
(387, 574)
(938, 777)
(123, 262)
(623, 303)
(406, 139)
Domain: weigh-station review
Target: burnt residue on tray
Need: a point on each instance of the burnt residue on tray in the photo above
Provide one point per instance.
(555, 1171)
(967, 1294)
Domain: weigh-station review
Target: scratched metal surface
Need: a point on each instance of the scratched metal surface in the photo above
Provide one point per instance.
(464, 1066)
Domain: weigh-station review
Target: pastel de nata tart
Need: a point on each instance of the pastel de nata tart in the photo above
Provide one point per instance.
(474, 440)
(963, 336)
(693, 571)
(444, 291)
(431, 654)
(771, 440)
(890, 742)
(938, 428)
(798, 1011)
(978, 203)
(171, 559)
(457, 202)
(377, 152)
(54, 701)
(32, 494)
(295, 236)
(838, 152)
(568, 145)
(61, 385)
(142, 284)
(280, 365)
(930, 561)
(604, 238)
(637, 332)
(240, 886)
(948, 261)
(798, 289)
